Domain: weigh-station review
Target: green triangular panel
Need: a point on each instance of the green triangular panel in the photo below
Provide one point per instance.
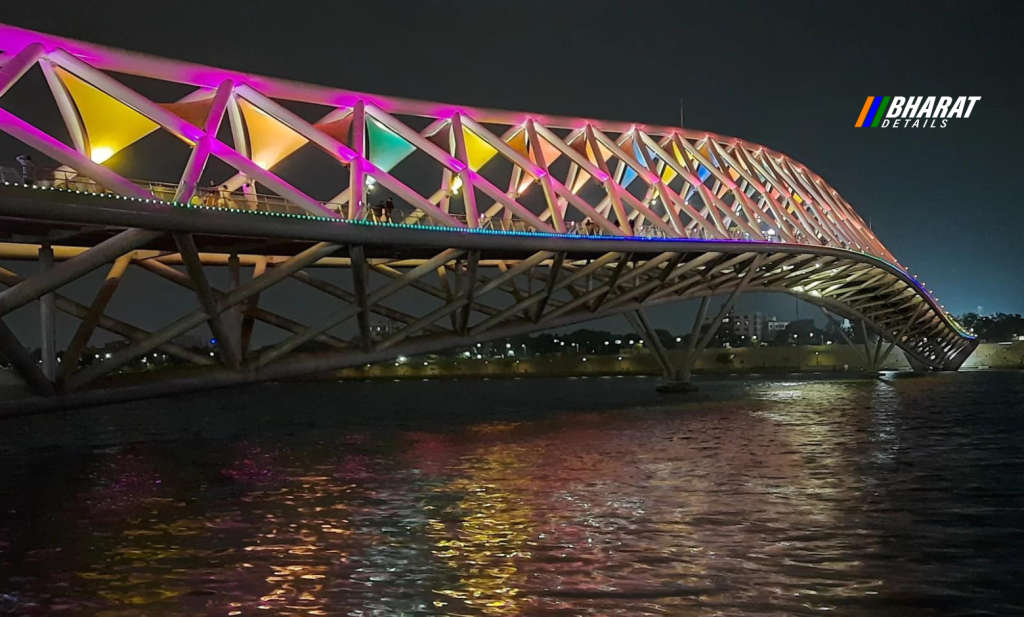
(386, 148)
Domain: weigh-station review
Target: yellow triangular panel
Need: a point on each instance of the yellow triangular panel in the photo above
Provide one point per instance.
(582, 146)
(269, 140)
(667, 173)
(110, 125)
(478, 151)
(679, 155)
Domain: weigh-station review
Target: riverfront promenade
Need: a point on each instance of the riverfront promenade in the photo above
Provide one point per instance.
(805, 358)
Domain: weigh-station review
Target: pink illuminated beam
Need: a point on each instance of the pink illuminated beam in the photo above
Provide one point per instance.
(18, 65)
(201, 153)
(188, 132)
(328, 144)
(468, 195)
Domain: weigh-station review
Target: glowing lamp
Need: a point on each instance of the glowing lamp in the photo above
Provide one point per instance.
(100, 154)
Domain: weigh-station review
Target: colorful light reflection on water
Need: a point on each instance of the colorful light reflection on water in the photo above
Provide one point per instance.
(772, 496)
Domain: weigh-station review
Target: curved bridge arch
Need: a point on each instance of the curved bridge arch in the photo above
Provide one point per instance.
(667, 213)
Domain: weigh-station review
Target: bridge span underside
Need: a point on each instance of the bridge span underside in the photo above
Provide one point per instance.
(470, 286)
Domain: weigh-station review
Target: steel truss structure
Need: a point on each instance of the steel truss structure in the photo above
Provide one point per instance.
(507, 222)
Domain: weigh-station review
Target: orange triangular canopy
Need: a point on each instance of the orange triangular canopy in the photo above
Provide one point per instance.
(339, 129)
(194, 112)
(518, 143)
(270, 141)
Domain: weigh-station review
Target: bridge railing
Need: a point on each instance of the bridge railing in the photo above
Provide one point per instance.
(215, 196)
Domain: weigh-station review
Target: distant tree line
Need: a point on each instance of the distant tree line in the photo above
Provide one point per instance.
(996, 328)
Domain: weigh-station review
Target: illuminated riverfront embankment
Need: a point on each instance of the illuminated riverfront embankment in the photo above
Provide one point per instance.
(805, 358)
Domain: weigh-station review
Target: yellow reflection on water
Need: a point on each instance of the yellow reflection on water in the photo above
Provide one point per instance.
(490, 533)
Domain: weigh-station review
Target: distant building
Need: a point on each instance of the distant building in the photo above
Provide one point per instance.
(744, 329)
(774, 326)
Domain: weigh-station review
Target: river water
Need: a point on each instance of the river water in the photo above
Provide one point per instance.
(763, 496)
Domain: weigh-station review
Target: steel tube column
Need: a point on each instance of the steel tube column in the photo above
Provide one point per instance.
(225, 337)
(47, 319)
(644, 329)
(691, 346)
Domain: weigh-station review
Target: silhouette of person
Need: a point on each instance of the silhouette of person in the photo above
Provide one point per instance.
(28, 168)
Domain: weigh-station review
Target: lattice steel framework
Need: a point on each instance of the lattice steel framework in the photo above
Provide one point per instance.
(618, 216)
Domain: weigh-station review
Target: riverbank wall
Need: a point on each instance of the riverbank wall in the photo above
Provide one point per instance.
(808, 358)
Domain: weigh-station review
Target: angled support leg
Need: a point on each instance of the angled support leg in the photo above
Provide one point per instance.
(12, 349)
(472, 262)
(125, 330)
(875, 357)
(47, 319)
(191, 320)
(233, 316)
(73, 355)
(252, 308)
(728, 304)
(549, 288)
(691, 345)
(76, 267)
(248, 321)
(359, 285)
(643, 328)
(403, 280)
(616, 274)
(838, 326)
(225, 337)
(868, 358)
(899, 335)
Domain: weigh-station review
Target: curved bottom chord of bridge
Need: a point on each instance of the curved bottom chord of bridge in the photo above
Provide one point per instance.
(598, 218)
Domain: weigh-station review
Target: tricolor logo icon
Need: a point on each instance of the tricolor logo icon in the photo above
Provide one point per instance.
(873, 111)
(913, 112)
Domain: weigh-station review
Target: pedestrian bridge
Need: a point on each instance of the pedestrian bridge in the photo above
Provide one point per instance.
(456, 224)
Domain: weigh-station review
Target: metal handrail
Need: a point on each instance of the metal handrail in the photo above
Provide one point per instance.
(219, 197)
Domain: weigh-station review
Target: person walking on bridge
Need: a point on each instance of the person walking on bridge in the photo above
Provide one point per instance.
(28, 168)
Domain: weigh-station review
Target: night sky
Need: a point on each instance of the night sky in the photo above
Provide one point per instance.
(790, 75)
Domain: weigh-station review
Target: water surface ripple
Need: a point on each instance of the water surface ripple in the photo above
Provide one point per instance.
(770, 496)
